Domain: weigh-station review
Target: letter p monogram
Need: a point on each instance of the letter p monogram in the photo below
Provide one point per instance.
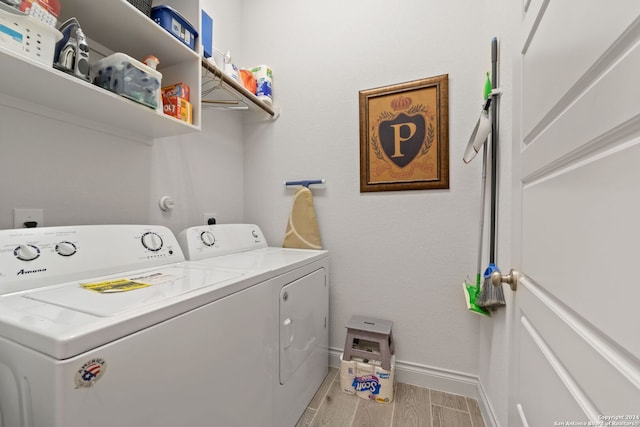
(398, 139)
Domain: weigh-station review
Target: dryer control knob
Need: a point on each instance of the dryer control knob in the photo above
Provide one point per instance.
(208, 238)
(152, 241)
(26, 252)
(66, 248)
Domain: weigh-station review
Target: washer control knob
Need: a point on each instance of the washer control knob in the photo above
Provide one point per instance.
(26, 252)
(152, 241)
(208, 238)
(66, 248)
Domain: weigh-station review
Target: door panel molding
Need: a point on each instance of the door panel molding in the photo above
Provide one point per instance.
(523, 418)
(580, 236)
(583, 350)
(595, 39)
(535, 10)
(611, 104)
(622, 137)
(547, 391)
(572, 387)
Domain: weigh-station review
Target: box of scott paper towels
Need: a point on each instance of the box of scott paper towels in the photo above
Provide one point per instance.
(367, 379)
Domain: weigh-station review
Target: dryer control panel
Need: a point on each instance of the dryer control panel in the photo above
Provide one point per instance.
(207, 241)
(36, 257)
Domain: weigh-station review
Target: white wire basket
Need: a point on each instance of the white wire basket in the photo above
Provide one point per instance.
(27, 36)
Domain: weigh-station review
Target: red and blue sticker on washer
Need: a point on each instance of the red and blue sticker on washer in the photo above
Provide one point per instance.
(90, 372)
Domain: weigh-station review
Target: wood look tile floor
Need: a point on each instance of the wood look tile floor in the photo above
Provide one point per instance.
(411, 407)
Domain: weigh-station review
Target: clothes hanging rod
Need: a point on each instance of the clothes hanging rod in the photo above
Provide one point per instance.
(304, 183)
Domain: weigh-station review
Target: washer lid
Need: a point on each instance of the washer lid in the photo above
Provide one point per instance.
(115, 295)
(68, 319)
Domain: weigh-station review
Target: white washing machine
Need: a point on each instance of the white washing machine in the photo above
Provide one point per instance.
(109, 326)
(299, 283)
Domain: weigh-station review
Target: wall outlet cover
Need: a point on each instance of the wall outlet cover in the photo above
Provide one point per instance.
(206, 216)
(22, 216)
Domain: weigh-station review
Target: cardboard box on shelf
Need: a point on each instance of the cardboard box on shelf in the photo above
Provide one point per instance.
(178, 108)
(175, 102)
(181, 90)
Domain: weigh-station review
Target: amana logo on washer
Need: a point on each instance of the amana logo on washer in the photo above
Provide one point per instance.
(23, 271)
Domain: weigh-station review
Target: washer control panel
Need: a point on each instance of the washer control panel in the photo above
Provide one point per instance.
(207, 241)
(36, 257)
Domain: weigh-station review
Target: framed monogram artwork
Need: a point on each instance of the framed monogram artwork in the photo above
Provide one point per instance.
(404, 136)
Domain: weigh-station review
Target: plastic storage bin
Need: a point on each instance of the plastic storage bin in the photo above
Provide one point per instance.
(128, 77)
(174, 23)
(27, 36)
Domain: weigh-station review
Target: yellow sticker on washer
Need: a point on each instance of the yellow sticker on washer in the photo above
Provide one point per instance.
(112, 286)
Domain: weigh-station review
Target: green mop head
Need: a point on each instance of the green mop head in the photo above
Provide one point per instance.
(471, 293)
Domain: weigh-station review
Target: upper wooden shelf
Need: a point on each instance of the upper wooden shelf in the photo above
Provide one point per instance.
(231, 93)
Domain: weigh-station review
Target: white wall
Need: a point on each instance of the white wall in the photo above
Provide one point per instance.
(83, 176)
(396, 255)
(77, 175)
(202, 172)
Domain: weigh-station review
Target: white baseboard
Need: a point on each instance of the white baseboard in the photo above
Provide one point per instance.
(437, 379)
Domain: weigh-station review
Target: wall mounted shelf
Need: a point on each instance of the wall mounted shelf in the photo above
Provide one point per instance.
(119, 27)
(225, 92)
(62, 96)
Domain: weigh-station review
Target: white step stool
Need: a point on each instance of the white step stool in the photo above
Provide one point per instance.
(373, 330)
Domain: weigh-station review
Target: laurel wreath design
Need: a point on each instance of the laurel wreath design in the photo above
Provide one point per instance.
(417, 109)
(375, 146)
(431, 133)
(386, 115)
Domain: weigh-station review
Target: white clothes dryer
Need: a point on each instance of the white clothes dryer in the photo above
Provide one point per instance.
(105, 326)
(299, 282)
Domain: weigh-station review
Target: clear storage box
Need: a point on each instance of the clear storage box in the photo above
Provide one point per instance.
(128, 77)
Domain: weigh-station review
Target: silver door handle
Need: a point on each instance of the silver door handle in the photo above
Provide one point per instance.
(511, 279)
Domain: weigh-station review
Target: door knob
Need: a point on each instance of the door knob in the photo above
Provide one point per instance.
(511, 279)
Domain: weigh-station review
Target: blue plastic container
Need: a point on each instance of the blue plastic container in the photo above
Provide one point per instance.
(174, 23)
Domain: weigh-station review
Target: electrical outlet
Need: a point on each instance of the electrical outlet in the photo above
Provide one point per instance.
(33, 217)
(208, 216)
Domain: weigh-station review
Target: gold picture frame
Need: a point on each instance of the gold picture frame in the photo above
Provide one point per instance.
(404, 136)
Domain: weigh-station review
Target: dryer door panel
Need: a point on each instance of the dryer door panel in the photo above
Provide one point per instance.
(304, 306)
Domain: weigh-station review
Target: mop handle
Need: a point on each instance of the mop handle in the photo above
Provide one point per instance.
(494, 150)
(483, 192)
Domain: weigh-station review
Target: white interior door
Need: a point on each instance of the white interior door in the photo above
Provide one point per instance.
(575, 348)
